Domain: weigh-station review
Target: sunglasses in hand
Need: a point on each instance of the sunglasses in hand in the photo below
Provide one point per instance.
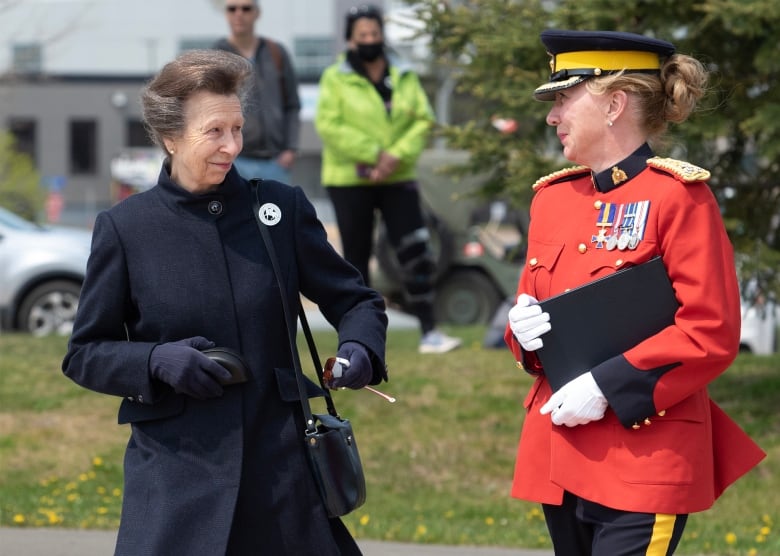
(334, 368)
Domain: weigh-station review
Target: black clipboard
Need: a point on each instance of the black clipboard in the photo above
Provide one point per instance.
(604, 318)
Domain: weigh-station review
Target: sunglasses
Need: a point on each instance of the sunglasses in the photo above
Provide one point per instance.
(334, 368)
(233, 9)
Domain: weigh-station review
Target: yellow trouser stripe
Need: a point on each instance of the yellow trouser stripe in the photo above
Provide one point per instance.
(661, 535)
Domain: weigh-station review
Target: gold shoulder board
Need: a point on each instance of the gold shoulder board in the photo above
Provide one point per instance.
(561, 175)
(683, 171)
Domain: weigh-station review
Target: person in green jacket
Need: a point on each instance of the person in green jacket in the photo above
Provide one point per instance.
(374, 119)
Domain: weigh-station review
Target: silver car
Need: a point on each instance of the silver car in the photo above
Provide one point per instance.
(41, 271)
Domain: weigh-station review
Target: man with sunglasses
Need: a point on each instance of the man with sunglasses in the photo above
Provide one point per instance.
(272, 125)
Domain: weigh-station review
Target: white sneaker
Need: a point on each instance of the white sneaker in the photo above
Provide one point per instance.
(436, 341)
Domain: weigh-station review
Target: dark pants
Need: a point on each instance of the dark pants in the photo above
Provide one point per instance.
(399, 205)
(582, 528)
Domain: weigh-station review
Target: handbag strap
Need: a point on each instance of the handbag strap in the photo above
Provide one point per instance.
(290, 324)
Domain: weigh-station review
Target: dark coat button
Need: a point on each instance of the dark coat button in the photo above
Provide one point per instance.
(215, 208)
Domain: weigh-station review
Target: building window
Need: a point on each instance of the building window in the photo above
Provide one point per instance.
(23, 131)
(27, 58)
(136, 135)
(311, 56)
(83, 147)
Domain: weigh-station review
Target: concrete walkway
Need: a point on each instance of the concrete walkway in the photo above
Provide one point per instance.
(66, 542)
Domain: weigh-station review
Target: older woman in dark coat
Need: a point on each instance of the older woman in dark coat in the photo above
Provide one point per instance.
(212, 468)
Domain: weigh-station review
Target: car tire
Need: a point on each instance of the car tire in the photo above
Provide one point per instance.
(466, 297)
(49, 308)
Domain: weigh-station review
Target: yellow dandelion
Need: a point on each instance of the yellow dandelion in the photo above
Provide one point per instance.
(19, 519)
(489, 520)
(97, 461)
(116, 492)
(102, 510)
(71, 486)
(101, 490)
(83, 477)
(760, 538)
(765, 530)
(752, 552)
(449, 514)
(364, 519)
(421, 530)
(72, 497)
(731, 538)
(766, 518)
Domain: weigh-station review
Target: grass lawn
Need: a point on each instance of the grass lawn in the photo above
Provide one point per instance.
(438, 462)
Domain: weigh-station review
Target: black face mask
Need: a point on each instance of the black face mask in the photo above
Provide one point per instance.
(371, 51)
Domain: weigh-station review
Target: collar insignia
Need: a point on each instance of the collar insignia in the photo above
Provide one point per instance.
(618, 175)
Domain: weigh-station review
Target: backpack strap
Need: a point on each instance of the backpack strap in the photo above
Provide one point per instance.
(276, 54)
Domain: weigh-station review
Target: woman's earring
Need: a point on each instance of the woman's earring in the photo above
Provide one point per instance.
(609, 123)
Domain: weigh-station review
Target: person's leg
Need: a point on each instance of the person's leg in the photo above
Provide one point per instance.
(354, 210)
(410, 238)
(569, 535)
(621, 533)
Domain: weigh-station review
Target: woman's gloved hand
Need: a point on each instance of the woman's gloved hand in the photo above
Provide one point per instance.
(358, 373)
(578, 402)
(186, 369)
(528, 322)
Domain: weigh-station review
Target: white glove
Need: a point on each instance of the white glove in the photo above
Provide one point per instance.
(528, 322)
(579, 401)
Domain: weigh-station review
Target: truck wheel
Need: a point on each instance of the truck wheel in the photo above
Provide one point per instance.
(466, 297)
(49, 308)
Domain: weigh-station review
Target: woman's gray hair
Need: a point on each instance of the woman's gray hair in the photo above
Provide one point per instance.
(193, 71)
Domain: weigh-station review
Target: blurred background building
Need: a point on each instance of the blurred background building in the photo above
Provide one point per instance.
(71, 72)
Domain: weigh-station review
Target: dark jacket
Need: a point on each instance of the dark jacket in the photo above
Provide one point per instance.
(165, 267)
(272, 113)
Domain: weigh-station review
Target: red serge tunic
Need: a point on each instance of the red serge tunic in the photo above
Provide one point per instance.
(663, 446)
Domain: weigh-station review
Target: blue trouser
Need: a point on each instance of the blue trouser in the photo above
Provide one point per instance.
(265, 168)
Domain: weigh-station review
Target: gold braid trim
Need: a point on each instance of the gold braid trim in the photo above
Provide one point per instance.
(683, 171)
(561, 175)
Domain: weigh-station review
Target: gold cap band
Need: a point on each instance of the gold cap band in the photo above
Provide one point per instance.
(606, 60)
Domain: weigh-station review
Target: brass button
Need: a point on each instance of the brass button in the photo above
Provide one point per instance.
(582, 248)
(597, 205)
(534, 261)
(619, 262)
(596, 71)
(647, 421)
(635, 426)
(520, 366)
(662, 413)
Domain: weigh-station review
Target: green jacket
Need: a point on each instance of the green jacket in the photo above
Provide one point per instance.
(354, 126)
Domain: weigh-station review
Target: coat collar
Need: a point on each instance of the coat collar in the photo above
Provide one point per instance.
(206, 205)
(624, 171)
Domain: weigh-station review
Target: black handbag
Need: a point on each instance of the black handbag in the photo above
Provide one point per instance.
(330, 442)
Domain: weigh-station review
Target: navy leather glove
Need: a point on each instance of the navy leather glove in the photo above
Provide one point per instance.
(183, 366)
(359, 372)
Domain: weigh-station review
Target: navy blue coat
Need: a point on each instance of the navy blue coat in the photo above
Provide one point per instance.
(230, 471)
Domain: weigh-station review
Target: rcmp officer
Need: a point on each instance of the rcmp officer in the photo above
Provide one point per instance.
(619, 456)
